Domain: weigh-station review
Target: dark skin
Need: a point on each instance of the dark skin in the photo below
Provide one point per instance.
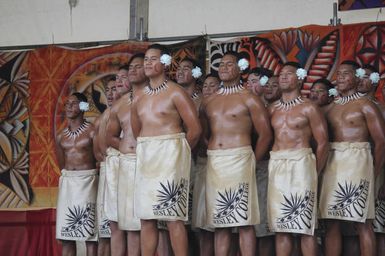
(357, 121)
(272, 92)
(76, 154)
(319, 95)
(228, 121)
(169, 112)
(294, 129)
(120, 120)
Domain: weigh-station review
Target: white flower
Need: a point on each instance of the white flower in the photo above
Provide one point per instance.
(333, 92)
(84, 106)
(243, 64)
(374, 77)
(301, 73)
(196, 72)
(165, 59)
(263, 80)
(360, 73)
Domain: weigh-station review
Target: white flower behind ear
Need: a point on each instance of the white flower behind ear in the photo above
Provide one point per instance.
(360, 73)
(243, 64)
(374, 77)
(84, 106)
(196, 72)
(301, 73)
(165, 59)
(263, 80)
(333, 92)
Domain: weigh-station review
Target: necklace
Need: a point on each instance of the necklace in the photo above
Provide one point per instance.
(194, 96)
(342, 100)
(73, 135)
(230, 89)
(150, 91)
(289, 104)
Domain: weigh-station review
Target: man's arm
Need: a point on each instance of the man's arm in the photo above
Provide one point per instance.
(136, 125)
(113, 128)
(319, 130)
(375, 124)
(188, 113)
(261, 123)
(205, 136)
(59, 151)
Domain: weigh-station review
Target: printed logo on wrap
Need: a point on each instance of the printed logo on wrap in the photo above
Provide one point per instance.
(80, 221)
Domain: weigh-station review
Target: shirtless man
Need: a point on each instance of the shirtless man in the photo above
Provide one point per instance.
(111, 155)
(272, 92)
(104, 248)
(354, 121)
(368, 85)
(78, 182)
(230, 114)
(293, 168)
(254, 81)
(319, 92)
(120, 123)
(158, 119)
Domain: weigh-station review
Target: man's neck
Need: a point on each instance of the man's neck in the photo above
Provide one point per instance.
(190, 88)
(156, 81)
(348, 92)
(138, 86)
(73, 124)
(290, 95)
(231, 82)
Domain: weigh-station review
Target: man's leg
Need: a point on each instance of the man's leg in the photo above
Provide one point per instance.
(164, 244)
(222, 241)
(380, 243)
(283, 244)
(266, 246)
(206, 242)
(309, 245)
(92, 248)
(118, 240)
(178, 237)
(333, 239)
(133, 243)
(148, 237)
(367, 238)
(247, 241)
(68, 248)
(104, 248)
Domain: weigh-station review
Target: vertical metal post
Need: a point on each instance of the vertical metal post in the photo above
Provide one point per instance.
(335, 21)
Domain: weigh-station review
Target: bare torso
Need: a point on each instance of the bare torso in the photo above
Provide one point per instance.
(229, 120)
(95, 142)
(291, 128)
(102, 130)
(127, 143)
(78, 152)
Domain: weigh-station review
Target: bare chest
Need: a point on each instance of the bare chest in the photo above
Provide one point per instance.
(223, 108)
(289, 119)
(343, 115)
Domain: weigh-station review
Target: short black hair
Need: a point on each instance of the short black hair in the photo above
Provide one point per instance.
(136, 55)
(211, 75)
(80, 96)
(370, 67)
(325, 82)
(292, 64)
(352, 63)
(163, 49)
(125, 67)
(233, 53)
(266, 72)
(191, 60)
(110, 78)
(256, 71)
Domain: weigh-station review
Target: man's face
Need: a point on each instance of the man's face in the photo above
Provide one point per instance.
(111, 93)
(365, 85)
(210, 86)
(346, 78)
(254, 85)
(271, 90)
(228, 69)
(184, 74)
(319, 94)
(152, 65)
(288, 79)
(136, 71)
(122, 84)
(72, 110)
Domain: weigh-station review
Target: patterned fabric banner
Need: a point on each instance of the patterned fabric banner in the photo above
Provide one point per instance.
(33, 88)
(319, 49)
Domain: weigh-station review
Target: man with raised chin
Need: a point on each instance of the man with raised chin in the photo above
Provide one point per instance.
(229, 117)
(165, 122)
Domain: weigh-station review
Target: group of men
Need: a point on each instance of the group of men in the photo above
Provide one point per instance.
(168, 166)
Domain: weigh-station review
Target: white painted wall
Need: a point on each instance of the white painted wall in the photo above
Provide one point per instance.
(29, 22)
